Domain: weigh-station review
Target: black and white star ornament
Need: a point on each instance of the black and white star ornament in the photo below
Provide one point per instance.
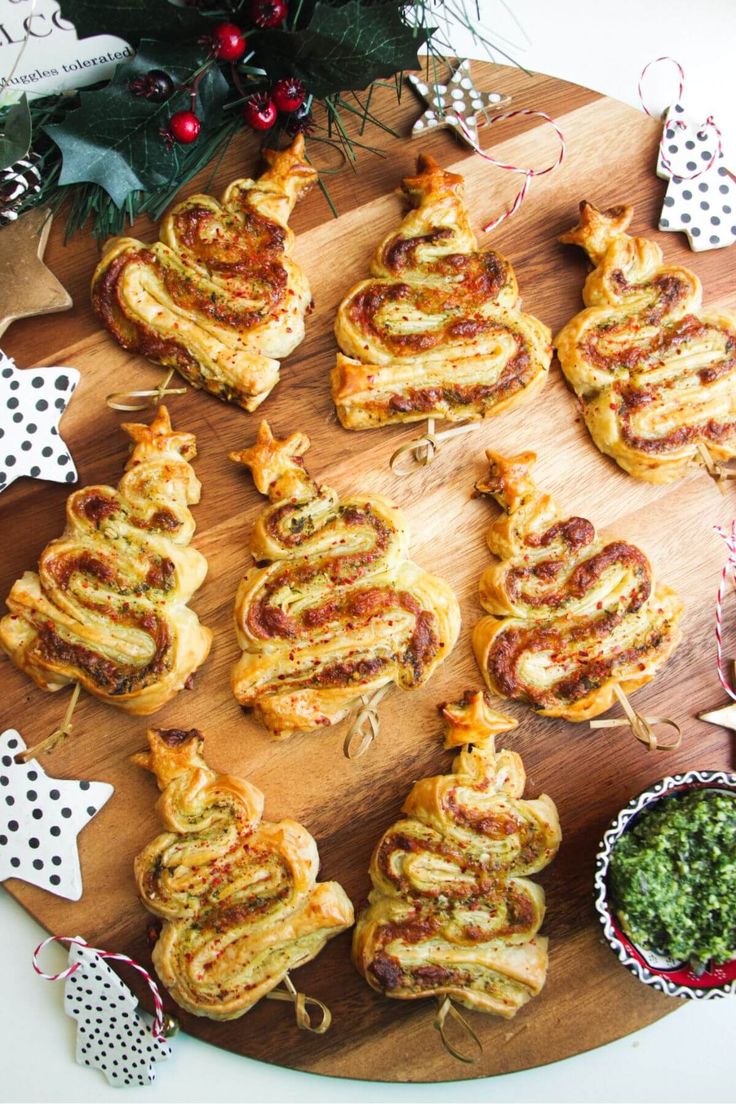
(701, 193)
(32, 401)
(112, 1035)
(40, 819)
(456, 105)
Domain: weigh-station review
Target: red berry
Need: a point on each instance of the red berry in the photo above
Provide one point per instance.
(268, 13)
(184, 127)
(288, 94)
(260, 112)
(228, 42)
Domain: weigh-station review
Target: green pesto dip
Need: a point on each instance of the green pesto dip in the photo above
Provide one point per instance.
(673, 877)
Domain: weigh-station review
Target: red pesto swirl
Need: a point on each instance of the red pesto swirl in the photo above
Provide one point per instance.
(450, 910)
(334, 607)
(437, 327)
(572, 615)
(107, 607)
(655, 373)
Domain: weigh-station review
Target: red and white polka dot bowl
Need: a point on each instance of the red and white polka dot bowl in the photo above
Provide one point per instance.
(676, 979)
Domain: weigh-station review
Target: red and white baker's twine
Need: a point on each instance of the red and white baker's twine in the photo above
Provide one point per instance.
(728, 567)
(157, 1027)
(709, 122)
(528, 174)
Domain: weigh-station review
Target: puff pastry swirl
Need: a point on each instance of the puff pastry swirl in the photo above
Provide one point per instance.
(437, 329)
(108, 605)
(655, 374)
(452, 910)
(238, 895)
(334, 609)
(571, 614)
(218, 297)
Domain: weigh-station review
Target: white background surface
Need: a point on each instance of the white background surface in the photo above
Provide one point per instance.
(689, 1055)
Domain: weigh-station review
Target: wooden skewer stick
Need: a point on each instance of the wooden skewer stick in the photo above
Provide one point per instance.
(366, 725)
(642, 727)
(715, 469)
(58, 735)
(447, 1008)
(423, 449)
(301, 1003)
(139, 400)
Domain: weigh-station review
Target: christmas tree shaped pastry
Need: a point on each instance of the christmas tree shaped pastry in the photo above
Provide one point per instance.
(436, 331)
(335, 609)
(108, 605)
(572, 615)
(655, 374)
(218, 297)
(238, 895)
(452, 912)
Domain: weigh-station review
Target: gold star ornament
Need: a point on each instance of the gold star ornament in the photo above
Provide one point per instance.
(27, 286)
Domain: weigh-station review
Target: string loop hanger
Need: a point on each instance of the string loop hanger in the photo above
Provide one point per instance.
(643, 728)
(133, 401)
(422, 450)
(447, 1010)
(528, 173)
(708, 124)
(302, 1003)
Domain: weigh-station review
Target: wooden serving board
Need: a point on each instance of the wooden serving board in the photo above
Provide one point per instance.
(589, 998)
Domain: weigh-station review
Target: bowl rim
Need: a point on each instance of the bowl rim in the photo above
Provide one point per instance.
(701, 779)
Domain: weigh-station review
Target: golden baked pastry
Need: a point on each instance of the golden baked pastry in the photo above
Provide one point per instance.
(451, 911)
(655, 374)
(572, 615)
(218, 297)
(437, 330)
(108, 606)
(238, 895)
(335, 609)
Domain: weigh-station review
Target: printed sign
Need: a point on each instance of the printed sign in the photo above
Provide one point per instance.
(41, 54)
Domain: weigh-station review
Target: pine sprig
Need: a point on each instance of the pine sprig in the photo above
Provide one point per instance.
(342, 50)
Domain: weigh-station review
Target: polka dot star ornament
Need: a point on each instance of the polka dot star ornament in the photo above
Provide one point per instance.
(32, 401)
(40, 819)
(455, 105)
(112, 1035)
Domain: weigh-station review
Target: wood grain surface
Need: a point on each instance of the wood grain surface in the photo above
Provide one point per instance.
(589, 998)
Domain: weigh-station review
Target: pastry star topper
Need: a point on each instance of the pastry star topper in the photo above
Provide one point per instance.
(32, 401)
(40, 819)
(457, 100)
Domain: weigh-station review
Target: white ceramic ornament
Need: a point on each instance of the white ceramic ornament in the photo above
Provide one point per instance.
(457, 100)
(40, 819)
(112, 1035)
(32, 401)
(702, 205)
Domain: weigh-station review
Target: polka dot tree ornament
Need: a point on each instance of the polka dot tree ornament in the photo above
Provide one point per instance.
(702, 201)
(112, 1035)
(40, 819)
(455, 105)
(701, 193)
(32, 401)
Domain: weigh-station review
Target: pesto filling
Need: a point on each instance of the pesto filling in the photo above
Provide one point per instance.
(673, 878)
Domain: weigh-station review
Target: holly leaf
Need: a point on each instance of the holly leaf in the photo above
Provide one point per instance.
(342, 48)
(114, 138)
(133, 20)
(16, 139)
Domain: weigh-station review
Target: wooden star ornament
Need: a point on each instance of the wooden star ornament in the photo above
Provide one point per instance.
(27, 286)
(725, 716)
(458, 100)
